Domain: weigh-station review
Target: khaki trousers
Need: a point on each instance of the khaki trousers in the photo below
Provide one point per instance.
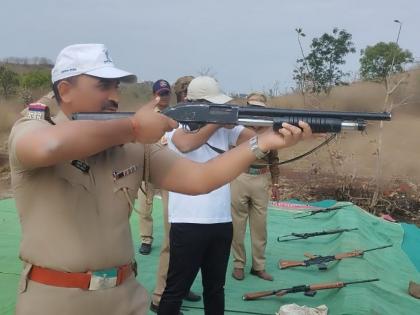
(164, 253)
(249, 202)
(130, 298)
(145, 211)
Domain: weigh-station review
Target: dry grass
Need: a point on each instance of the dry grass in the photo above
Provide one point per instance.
(353, 154)
(9, 112)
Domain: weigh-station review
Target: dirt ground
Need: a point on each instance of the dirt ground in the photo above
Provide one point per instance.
(400, 199)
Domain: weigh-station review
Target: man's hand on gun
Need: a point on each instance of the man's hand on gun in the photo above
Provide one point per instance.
(148, 125)
(285, 137)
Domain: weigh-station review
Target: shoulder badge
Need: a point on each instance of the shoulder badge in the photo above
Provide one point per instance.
(39, 111)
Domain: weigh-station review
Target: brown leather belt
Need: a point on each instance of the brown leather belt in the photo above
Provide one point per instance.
(91, 280)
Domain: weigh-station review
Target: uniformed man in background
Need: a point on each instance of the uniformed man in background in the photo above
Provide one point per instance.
(162, 89)
(249, 195)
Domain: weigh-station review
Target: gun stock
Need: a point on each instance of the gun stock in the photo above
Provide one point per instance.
(257, 295)
(284, 264)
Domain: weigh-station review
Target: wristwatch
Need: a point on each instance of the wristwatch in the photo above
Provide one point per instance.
(253, 144)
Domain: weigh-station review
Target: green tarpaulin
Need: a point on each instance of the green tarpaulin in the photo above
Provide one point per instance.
(392, 265)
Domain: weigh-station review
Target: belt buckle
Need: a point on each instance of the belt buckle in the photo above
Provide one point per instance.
(254, 171)
(103, 279)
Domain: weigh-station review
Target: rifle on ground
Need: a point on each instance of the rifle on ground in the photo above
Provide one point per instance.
(300, 236)
(195, 115)
(323, 210)
(308, 290)
(321, 261)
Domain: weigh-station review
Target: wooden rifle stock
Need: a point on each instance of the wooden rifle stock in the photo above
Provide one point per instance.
(284, 264)
(260, 294)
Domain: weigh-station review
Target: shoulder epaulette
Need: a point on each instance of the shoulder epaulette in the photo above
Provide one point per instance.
(39, 111)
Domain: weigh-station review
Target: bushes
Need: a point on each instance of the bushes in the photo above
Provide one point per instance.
(12, 83)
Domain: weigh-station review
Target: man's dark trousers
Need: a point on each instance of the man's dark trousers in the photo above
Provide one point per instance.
(194, 247)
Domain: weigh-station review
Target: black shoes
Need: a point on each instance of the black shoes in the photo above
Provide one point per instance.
(145, 249)
(155, 308)
(192, 297)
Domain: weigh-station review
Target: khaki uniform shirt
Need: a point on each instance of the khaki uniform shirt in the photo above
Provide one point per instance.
(272, 159)
(74, 221)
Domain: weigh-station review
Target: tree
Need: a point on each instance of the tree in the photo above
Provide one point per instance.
(36, 79)
(381, 60)
(321, 65)
(9, 80)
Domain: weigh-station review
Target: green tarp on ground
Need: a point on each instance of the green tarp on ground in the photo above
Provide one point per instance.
(391, 265)
(411, 243)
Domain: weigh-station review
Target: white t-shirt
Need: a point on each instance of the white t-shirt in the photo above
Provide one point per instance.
(213, 207)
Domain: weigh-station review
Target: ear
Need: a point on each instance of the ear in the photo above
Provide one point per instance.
(65, 91)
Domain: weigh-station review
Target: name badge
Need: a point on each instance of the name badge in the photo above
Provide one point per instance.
(119, 174)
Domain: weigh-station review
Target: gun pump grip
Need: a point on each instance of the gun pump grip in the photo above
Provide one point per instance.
(324, 286)
(354, 253)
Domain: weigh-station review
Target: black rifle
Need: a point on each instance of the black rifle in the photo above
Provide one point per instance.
(322, 210)
(193, 116)
(308, 290)
(321, 261)
(300, 236)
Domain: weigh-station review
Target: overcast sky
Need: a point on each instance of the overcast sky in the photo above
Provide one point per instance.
(248, 45)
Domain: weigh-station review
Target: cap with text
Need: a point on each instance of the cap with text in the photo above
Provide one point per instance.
(90, 59)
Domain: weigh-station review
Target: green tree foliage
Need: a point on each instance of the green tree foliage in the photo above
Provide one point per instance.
(381, 60)
(36, 79)
(321, 67)
(9, 81)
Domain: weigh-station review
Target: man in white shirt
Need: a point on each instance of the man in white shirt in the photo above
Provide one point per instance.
(201, 226)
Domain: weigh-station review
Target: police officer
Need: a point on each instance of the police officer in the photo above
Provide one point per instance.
(249, 202)
(75, 183)
(162, 89)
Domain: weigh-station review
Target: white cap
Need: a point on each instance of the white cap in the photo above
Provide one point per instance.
(257, 98)
(91, 59)
(206, 88)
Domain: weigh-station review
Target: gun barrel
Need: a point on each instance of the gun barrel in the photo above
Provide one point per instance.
(376, 248)
(361, 281)
(278, 112)
(101, 115)
(318, 124)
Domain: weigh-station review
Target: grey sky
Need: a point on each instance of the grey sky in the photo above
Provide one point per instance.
(248, 45)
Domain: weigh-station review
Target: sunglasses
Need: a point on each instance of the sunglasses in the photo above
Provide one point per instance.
(164, 93)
